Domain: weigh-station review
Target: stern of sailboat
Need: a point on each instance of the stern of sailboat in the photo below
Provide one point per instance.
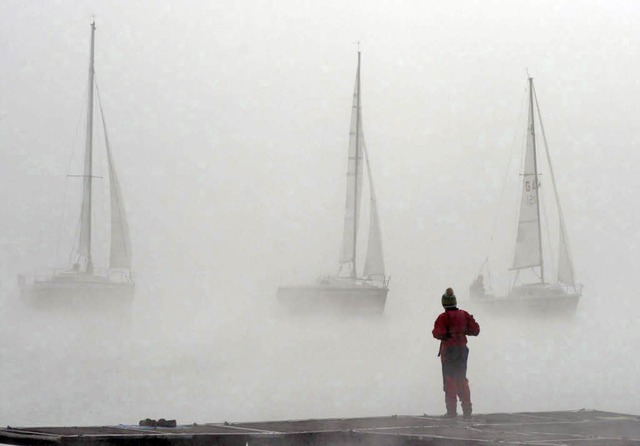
(346, 298)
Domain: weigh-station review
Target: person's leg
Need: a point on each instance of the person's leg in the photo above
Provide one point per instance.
(450, 387)
(462, 385)
(464, 393)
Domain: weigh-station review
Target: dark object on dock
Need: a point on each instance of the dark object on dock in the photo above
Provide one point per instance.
(166, 423)
(548, 428)
(148, 422)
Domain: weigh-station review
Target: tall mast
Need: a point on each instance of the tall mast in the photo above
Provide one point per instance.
(355, 195)
(535, 169)
(88, 157)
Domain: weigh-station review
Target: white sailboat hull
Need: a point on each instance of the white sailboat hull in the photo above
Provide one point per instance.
(344, 296)
(77, 288)
(540, 298)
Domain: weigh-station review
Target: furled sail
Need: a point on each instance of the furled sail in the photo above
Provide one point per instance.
(84, 246)
(374, 262)
(354, 180)
(527, 251)
(120, 254)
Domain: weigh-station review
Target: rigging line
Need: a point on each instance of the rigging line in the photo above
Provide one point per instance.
(511, 148)
(66, 184)
(76, 237)
(98, 128)
(535, 273)
(64, 207)
(483, 264)
(516, 211)
(512, 285)
(523, 161)
(101, 163)
(548, 231)
(488, 286)
(563, 230)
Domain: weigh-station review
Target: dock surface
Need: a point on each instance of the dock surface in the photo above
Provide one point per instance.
(583, 427)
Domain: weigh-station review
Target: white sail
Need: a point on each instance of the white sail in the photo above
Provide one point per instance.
(120, 256)
(120, 253)
(354, 180)
(527, 251)
(374, 262)
(565, 265)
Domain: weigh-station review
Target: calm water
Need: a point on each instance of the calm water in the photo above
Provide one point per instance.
(212, 355)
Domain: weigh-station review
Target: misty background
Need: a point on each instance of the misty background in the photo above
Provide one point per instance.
(229, 127)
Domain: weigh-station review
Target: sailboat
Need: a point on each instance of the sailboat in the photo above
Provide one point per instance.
(348, 290)
(82, 278)
(546, 292)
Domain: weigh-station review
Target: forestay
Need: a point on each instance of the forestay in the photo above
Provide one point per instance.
(565, 266)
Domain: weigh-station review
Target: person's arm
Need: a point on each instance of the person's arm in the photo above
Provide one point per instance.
(473, 328)
(440, 329)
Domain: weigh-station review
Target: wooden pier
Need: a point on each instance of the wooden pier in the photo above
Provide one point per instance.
(583, 427)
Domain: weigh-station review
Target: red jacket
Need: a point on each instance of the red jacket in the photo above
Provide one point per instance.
(452, 328)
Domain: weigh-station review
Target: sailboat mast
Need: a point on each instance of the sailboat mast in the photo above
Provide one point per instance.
(88, 158)
(535, 170)
(355, 195)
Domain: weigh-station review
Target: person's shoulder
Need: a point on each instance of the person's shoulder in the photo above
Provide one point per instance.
(441, 315)
(469, 315)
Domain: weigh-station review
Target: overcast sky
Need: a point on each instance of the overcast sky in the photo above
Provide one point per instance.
(229, 125)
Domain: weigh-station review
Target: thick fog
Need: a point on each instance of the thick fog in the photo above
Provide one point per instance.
(229, 125)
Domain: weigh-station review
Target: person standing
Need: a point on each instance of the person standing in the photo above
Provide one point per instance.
(452, 328)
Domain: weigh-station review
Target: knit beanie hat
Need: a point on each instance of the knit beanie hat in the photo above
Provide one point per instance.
(449, 299)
